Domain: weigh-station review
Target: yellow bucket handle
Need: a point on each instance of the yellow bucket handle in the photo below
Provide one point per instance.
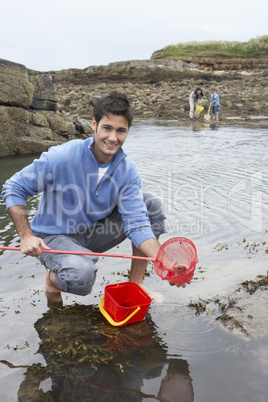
(109, 318)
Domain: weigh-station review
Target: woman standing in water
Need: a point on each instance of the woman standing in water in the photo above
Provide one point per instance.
(195, 100)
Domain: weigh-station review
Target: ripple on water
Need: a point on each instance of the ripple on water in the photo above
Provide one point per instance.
(191, 336)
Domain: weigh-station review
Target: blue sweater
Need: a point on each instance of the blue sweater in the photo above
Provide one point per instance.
(72, 200)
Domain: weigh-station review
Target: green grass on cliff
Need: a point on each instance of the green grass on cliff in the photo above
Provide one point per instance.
(254, 48)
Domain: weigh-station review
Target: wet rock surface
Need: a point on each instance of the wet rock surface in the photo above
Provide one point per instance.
(29, 119)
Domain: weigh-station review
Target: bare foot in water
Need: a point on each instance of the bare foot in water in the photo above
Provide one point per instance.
(49, 287)
(54, 299)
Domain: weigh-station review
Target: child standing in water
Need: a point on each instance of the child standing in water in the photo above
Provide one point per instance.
(195, 100)
(214, 103)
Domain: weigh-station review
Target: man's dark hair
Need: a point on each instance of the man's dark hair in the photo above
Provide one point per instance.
(113, 103)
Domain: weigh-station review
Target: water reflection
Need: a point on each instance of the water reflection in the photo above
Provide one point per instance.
(199, 126)
(196, 126)
(214, 126)
(89, 360)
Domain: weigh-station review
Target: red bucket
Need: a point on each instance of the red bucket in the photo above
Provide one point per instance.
(124, 303)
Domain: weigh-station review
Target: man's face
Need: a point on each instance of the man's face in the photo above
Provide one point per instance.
(109, 136)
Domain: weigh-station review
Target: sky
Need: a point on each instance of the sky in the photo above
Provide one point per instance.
(61, 34)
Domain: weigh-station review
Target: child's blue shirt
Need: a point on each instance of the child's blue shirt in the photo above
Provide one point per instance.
(215, 99)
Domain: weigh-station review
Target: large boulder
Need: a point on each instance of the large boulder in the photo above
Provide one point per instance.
(15, 88)
(14, 123)
(28, 104)
(44, 97)
(19, 133)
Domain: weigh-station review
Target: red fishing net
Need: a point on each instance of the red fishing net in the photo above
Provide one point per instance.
(176, 260)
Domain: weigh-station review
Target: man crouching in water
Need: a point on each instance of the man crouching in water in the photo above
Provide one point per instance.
(91, 200)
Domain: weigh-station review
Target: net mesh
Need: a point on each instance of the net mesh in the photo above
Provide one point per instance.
(176, 260)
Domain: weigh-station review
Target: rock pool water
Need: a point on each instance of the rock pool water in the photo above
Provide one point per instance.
(213, 182)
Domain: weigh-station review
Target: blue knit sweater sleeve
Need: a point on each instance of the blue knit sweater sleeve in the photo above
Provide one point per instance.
(133, 210)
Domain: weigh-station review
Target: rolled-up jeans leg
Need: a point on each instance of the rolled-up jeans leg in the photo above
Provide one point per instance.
(74, 273)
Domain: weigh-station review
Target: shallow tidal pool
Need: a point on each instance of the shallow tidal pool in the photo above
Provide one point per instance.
(213, 181)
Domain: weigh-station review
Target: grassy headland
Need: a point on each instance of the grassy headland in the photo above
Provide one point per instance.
(254, 48)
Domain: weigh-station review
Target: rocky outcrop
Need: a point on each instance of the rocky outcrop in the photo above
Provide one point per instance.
(155, 70)
(29, 119)
(227, 63)
(133, 71)
(216, 63)
(44, 96)
(160, 89)
(38, 110)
